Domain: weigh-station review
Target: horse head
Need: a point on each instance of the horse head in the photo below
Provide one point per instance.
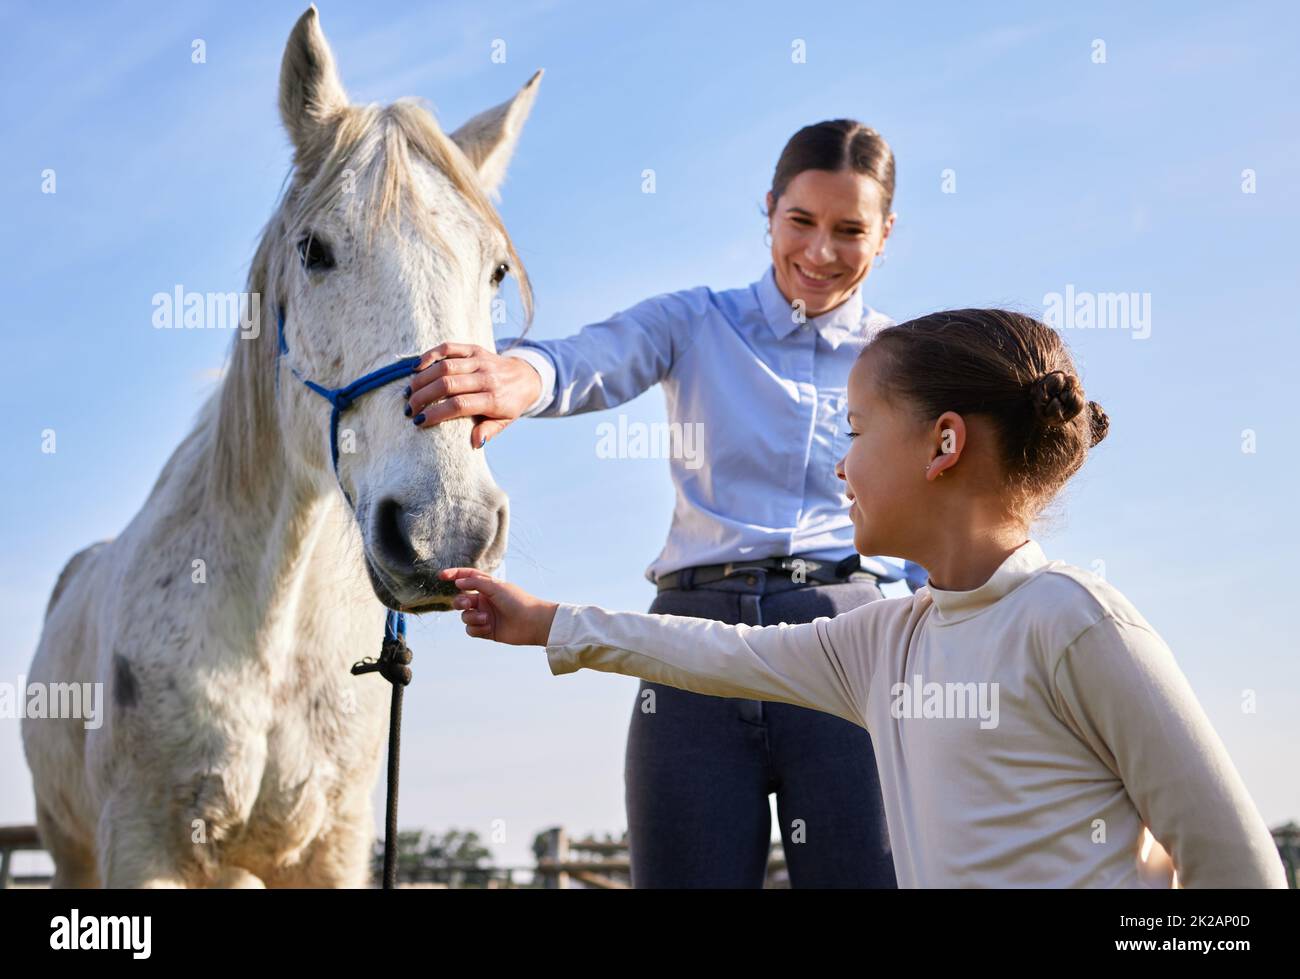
(385, 244)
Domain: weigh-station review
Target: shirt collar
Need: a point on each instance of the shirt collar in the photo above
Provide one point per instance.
(1019, 566)
(835, 325)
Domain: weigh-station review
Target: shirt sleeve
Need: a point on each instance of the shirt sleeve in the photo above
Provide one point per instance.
(542, 363)
(1122, 692)
(610, 362)
(818, 664)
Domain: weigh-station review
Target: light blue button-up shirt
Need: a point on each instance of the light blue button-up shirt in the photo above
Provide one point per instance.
(770, 396)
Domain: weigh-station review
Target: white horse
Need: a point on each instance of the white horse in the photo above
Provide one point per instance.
(237, 747)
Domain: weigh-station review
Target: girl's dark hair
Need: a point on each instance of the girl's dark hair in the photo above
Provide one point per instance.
(1008, 367)
(838, 144)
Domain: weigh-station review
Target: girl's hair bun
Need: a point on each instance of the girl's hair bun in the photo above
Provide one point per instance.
(1098, 421)
(1056, 397)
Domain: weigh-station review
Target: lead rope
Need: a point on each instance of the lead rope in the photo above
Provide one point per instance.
(395, 656)
(393, 665)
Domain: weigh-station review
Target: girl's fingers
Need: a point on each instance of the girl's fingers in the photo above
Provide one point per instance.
(474, 600)
(451, 574)
(478, 581)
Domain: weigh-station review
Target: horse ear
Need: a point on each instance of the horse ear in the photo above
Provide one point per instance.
(310, 90)
(489, 138)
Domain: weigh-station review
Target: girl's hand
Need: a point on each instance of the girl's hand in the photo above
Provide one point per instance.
(498, 610)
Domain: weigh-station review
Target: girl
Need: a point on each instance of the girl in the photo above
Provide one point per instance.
(1027, 721)
(750, 542)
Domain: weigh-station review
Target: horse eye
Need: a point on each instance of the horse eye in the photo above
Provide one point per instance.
(316, 254)
(501, 272)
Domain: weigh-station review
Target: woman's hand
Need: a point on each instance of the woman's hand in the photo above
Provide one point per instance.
(464, 380)
(499, 611)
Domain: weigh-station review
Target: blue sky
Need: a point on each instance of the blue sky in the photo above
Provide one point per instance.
(1123, 176)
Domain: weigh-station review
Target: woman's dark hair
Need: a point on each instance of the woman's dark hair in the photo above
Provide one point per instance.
(1008, 367)
(838, 144)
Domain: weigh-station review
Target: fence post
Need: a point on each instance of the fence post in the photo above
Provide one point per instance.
(556, 851)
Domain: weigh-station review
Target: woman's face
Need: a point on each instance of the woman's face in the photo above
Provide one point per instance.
(883, 470)
(827, 229)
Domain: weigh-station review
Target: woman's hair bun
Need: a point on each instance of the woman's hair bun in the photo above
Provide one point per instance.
(1056, 397)
(1099, 422)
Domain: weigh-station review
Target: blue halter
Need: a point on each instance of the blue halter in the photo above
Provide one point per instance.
(341, 399)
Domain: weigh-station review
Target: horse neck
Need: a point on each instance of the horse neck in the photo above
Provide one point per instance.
(308, 563)
(287, 533)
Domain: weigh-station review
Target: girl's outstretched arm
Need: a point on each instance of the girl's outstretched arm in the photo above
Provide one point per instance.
(1120, 689)
(823, 664)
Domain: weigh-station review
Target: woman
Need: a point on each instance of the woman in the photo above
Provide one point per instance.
(760, 532)
(1030, 724)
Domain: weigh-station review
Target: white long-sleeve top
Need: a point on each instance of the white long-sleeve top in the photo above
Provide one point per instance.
(1025, 731)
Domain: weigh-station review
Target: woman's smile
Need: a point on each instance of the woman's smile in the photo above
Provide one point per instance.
(814, 279)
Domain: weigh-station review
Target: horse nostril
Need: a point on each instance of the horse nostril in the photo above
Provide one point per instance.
(390, 533)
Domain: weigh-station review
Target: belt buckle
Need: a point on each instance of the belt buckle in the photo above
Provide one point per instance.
(849, 565)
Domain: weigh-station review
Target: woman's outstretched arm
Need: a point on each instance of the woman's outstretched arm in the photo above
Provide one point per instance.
(602, 365)
(611, 361)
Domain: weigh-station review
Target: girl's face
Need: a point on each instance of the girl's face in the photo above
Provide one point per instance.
(827, 229)
(884, 469)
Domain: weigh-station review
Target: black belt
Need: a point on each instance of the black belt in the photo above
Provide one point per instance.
(822, 572)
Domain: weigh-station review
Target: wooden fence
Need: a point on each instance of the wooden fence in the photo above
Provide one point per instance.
(562, 862)
(16, 839)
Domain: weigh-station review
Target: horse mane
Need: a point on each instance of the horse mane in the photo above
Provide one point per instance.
(359, 141)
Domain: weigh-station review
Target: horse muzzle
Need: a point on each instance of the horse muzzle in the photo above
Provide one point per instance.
(407, 546)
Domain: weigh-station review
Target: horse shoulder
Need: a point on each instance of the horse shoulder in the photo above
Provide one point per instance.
(75, 564)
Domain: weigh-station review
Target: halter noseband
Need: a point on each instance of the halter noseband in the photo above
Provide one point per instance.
(343, 398)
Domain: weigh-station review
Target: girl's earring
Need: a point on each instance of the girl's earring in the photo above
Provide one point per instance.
(767, 238)
(880, 259)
